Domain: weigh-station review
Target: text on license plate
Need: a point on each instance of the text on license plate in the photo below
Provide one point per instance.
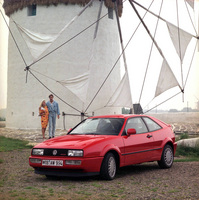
(52, 162)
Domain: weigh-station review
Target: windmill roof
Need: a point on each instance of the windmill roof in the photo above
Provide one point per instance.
(11, 6)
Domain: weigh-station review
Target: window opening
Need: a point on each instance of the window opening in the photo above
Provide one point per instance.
(153, 126)
(32, 10)
(137, 124)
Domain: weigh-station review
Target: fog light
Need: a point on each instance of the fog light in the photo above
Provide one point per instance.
(73, 162)
(35, 160)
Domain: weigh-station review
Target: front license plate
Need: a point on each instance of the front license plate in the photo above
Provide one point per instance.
(52, 162)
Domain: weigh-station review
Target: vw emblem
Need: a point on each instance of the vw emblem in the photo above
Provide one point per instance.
(54, 152)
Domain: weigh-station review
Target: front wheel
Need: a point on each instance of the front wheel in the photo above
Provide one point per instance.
(108, 168)
(167, 157)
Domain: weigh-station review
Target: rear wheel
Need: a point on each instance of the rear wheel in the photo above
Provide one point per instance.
(167, 157)
(109, 167)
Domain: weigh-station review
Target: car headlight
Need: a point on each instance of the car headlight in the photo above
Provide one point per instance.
(78, 153)
(38, 152)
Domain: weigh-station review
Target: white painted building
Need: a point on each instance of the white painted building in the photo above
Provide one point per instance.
(3, 58)
(82, 55)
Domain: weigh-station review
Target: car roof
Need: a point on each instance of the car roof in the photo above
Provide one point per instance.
(127, 116)
(124, 116)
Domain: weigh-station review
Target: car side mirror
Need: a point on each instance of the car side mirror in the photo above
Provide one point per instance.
(131, 131)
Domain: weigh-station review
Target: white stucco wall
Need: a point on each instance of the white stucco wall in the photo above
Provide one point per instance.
(69, 61)
(3, 58)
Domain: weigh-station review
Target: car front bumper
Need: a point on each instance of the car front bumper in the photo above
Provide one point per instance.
(88, 166)
(64, 172)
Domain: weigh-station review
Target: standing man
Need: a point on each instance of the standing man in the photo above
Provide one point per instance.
(53, 109)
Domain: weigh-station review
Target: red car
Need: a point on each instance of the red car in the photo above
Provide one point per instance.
(100, 145)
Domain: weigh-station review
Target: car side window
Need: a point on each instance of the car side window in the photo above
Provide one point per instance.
(136, 123)
(152, 125)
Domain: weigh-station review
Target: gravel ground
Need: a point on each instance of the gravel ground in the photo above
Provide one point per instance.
(145, 181)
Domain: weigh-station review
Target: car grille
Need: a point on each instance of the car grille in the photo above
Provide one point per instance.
(55, 152)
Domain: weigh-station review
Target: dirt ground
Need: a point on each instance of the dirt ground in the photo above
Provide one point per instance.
(145, 181)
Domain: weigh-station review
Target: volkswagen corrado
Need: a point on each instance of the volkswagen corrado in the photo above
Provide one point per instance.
(100, 145)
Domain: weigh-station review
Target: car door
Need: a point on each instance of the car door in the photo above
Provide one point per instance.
(158, 135)
(138, 147)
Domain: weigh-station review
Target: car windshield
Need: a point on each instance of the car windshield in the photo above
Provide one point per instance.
(99, 126)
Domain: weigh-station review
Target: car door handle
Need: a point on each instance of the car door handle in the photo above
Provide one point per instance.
(149, 136)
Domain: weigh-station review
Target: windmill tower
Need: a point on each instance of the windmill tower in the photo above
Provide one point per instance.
(3, 58)
(84, 60)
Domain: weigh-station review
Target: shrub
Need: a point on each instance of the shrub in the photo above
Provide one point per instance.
(187, 151)
(184, 136)
(2, 119)
(9, 144)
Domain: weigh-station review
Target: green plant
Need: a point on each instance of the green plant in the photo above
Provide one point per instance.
(185, 135)
(22, 198)
(173, 191)
(30, 169)
(154, 189)
(29, 188)
(187, 159)
(51, 191)
(2, 119)
(97, 185)
(192, 152)
(1, 183)
(10, 144)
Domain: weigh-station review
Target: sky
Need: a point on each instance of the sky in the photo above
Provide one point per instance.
(138, 50)
(137, 54)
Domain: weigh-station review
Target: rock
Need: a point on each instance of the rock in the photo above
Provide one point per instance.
(192, 142)
(2, 124)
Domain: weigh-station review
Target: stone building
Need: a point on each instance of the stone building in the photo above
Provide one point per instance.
(74, 72)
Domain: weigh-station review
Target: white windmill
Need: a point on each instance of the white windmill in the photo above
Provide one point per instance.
(73, 49)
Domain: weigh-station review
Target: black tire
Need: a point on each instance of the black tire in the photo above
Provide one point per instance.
(108, 167)
(167, 157)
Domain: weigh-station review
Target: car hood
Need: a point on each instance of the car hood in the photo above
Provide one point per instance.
(73, 141)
